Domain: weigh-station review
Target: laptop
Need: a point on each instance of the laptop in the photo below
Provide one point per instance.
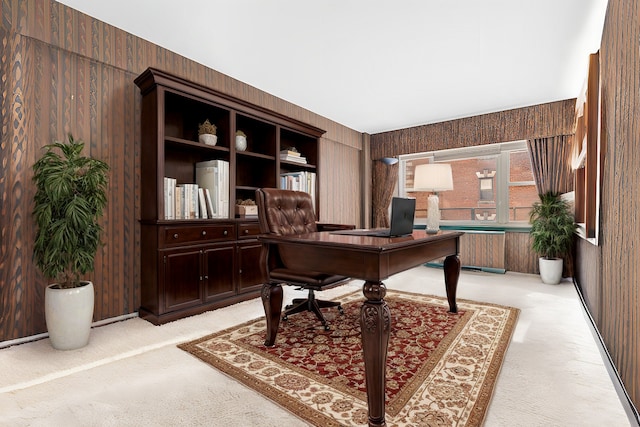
(402, 214)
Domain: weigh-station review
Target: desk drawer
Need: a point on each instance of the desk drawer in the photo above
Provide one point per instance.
(247, 230)
(198, 233)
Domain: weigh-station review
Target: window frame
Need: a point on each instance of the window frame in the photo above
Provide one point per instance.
(501, 151)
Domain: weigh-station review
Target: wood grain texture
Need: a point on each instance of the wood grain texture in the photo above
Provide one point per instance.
(341, 185)
(518, 254)
(483, 249)
(619, 287)
(551, 119)
(64, 71)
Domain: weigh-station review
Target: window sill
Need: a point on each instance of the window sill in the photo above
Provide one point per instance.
(492, 227)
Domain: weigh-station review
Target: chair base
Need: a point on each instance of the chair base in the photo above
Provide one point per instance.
(312, 304)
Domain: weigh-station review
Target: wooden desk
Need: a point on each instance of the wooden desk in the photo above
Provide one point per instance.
(371, 259)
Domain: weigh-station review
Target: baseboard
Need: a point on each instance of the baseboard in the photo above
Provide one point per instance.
(470, 268)
(24, 340)
(627, 404)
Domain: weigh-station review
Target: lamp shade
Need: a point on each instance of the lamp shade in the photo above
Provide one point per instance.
(433, 177)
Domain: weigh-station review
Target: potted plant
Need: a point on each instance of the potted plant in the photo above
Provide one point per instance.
(207, 133)
(241, 140)
(71, 194)
(552, 229)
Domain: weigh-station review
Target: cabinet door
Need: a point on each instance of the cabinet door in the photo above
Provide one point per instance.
(219, 265)
(249, 277)
(182, 278)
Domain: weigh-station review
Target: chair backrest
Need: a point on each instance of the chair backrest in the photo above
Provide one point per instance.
(285, 212)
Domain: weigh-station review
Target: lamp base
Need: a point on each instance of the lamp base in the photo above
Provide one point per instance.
(433, 214)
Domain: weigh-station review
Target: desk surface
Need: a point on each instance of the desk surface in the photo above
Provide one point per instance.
(362, 257)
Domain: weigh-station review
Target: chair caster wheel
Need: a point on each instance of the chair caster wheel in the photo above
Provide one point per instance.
(327, 328)
(285, 318)
(341, 310)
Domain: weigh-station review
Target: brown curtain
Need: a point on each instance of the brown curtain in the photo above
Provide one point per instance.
(385, 176)
(551, 163)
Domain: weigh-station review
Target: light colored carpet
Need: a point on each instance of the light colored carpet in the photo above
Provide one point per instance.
(132, 373)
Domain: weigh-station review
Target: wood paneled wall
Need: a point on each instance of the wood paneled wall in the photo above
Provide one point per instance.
(614, 297)
(555, 118)
(337, 206)
(63, 71)
(519, 256)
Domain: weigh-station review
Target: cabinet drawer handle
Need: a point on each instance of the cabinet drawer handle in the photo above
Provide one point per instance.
(204, 233)
(175, 236)
(225, 232)
(246, 231)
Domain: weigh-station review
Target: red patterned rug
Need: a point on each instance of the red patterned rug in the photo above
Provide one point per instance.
(441, 367)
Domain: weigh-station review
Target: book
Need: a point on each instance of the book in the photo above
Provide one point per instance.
(169, 198)
(296, 159)
(203, 203)
(207, 196)
(289, 153)
(179, 195)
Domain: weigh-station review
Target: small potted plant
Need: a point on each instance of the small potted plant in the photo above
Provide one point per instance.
(241, 141)
(71, 194)
(207, 133)
(552, 229)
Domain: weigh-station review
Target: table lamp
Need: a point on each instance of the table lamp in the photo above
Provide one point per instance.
(433, 177)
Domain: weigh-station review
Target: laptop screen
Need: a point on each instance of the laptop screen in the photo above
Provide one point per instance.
(402, 214)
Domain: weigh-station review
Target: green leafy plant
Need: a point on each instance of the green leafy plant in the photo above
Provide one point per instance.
(207, 128)
(552, 226)
(71, 194)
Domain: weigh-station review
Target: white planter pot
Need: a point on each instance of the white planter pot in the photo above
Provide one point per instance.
(208, 138)
(241, 142)
(550, 270)
(69, 314)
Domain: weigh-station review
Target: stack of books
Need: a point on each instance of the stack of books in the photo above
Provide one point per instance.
(292, 156)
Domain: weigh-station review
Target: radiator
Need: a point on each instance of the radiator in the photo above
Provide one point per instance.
(481, 250)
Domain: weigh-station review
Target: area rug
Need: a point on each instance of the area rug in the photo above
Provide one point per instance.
(441, 367)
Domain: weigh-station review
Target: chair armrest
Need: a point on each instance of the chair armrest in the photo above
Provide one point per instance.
(333, 227)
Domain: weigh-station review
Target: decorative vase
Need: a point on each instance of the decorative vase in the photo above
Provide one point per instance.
(69, 314)
(433, 214)
(209, 139)
(241, 142)
(550, 270)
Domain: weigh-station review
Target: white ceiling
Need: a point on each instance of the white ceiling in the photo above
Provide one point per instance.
(378, 65)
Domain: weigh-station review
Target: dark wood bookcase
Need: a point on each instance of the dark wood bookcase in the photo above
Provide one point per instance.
(190, 266)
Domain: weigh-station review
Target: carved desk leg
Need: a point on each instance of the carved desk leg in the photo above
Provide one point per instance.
(272, 303)
(375, 323)
(451, 274)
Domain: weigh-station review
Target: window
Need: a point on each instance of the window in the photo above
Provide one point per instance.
(493, 185)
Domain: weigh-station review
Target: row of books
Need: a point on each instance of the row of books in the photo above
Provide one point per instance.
(300, 181)
(208, 197)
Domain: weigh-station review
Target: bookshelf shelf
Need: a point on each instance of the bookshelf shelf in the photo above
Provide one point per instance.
(198, 264)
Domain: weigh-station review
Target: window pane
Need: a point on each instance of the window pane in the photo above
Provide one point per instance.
(473, 197)
(520, 167)
(521, 199)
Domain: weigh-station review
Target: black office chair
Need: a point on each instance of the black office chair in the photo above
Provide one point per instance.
(286, 212)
